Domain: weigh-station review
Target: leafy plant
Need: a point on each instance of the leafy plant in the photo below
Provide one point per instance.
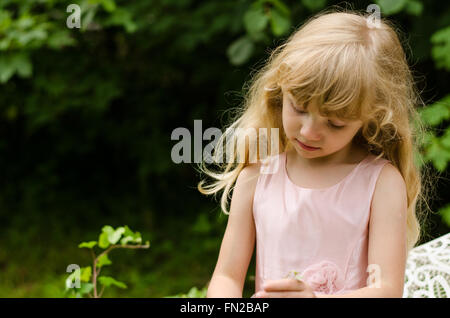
(261, 15)
(109, 239)
(194, 292)
(389, 7)
(437, 148)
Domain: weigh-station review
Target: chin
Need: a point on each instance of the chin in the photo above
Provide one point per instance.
(306, 154)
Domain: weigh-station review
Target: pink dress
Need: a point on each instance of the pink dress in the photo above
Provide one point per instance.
(322, 234)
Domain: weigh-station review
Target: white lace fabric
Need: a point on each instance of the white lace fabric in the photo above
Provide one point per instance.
(427, 272)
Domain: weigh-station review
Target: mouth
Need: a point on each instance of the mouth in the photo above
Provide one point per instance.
(306, 147)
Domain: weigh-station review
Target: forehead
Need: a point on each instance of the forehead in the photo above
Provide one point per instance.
(311, 105)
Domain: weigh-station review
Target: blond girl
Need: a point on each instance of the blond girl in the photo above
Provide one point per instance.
(335, 200)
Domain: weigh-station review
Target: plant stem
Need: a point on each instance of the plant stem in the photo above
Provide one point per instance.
(101, 293)
(96, 273)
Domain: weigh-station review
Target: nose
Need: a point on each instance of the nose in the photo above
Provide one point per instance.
(310, 130)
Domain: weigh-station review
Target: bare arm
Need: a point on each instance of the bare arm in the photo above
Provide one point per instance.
(387, 237)
(239, 239)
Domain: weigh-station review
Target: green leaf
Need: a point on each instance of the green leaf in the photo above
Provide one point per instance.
(194, 292)
(255, 20)
(281, 7)
(279, 22)
(109, 5)
(88, 15)
(7, 69)
(314, 5)
(103, 261)
(389, 7)
(441, 48)
(89, 244)
(22, 64)
(37, 34)
(445, 213)
(445, 138)
(437, 154)
(414, 7)
(129, 236)
(240, 50)
(435, 113)
(85, 288)
(122, 18)
(125, 240)
(128, 231)
(60, 39)
(107, 233)
(25, 21)
(108, 229)
(108, 281)
(426, 139)
(137, 238)
(86, 273)
(14, 63)
(114, 236)
(5, 20)
(103, 241)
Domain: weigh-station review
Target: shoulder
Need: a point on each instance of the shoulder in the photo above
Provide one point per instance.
(244, 190)
(246, 181)
(249, 174)
(390, 177)
(390, 189)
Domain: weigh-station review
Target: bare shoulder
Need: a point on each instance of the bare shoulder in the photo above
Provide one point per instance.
(249, 175)
(391, 177)
(390, 187)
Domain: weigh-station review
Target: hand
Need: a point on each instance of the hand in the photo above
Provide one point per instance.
(285, 288)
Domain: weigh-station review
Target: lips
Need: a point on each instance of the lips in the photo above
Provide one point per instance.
(306, 146)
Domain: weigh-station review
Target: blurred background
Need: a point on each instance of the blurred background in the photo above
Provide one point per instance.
(87, 115)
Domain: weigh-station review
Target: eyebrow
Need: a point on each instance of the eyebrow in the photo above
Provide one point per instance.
(295, 104)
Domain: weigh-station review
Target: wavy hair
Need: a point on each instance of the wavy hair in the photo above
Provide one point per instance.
(356, 71)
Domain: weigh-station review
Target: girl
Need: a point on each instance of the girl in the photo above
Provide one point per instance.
(339, 203)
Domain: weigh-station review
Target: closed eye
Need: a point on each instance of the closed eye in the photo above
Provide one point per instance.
(299, 111)
(335, 126)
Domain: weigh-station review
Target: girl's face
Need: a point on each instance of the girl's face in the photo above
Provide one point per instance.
(305, 125)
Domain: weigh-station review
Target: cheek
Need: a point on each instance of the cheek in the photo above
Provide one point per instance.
(341, 138)
(290, 122)
(285, 119)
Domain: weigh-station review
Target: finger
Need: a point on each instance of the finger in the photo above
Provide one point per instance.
(283, 284)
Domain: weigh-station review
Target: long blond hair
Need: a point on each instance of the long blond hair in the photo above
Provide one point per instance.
(357, 71)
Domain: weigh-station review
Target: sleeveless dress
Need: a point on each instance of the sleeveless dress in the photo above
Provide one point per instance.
(321, 234)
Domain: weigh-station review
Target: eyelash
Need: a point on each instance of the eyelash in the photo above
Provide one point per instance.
(330, 124)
